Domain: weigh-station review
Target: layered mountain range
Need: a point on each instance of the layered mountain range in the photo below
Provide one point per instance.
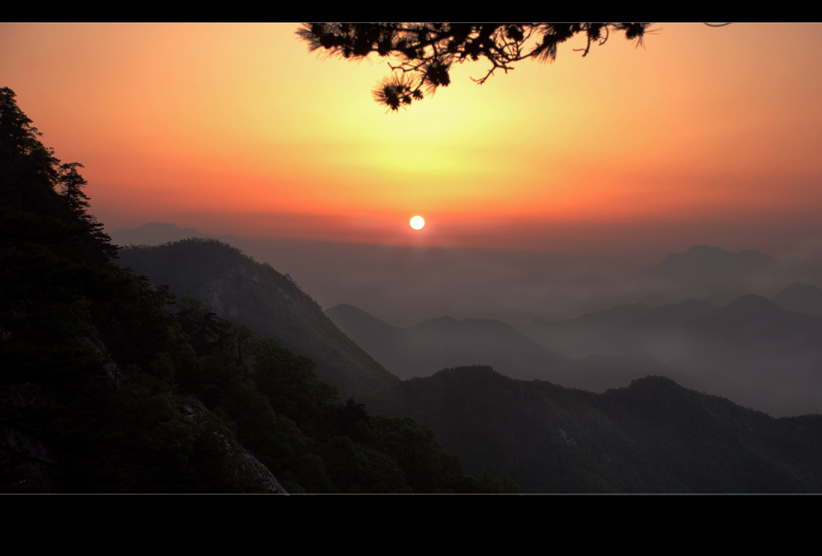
(751, 350)
(638, 435)
(746, 347)
(607, 352)
(747, 270)
(406, 285)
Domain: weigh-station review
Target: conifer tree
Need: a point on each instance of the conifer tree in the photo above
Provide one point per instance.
(33, 179)
(423, 54)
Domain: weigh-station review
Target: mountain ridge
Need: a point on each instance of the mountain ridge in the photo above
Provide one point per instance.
(652, 435)
(237, 287)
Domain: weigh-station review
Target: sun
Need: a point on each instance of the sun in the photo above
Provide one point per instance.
(417, 222)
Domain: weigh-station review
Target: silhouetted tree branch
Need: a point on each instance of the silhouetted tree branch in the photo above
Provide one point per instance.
(423, 53)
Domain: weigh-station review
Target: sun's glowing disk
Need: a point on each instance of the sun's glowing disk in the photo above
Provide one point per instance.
(417, 222)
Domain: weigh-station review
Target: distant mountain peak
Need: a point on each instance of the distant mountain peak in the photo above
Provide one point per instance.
(750, 301)
(689, 308)
(743, 270)
(346, 308)
(710, 251)
(157, 233)
(704, 249)
(486, 322)
(165, 225)
(799, 286)
(447, 320)
(154, 233)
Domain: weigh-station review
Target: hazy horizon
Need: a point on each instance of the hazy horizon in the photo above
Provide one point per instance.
(405, 285)
(703, 136)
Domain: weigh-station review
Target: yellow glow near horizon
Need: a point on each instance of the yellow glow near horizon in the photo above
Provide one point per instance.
(176, 121)
(417, 222)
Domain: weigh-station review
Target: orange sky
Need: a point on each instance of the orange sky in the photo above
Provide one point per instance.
(706, 135)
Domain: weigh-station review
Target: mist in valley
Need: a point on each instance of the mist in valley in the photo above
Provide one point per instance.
(735, 324)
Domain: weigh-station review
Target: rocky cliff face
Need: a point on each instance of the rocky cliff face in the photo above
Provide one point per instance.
(30, 465)
(248, 465)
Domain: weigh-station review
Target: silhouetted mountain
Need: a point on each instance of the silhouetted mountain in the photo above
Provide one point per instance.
(652, 436)
(271, 304)
(802, 298)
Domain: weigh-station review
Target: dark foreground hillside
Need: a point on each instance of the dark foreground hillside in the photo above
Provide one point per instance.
(88, 401)
(653, 436)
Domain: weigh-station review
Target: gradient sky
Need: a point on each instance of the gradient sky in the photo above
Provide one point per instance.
(703, 136)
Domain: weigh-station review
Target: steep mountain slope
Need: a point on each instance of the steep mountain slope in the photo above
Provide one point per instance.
(359, 325)
(271, 304)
